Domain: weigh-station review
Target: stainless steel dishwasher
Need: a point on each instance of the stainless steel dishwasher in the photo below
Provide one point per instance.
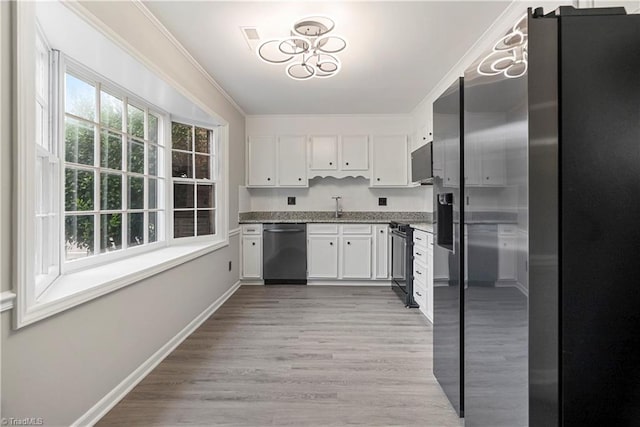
(284, 254)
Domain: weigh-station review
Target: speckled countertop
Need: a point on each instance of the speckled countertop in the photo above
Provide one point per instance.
(329, 216)
(424, 226)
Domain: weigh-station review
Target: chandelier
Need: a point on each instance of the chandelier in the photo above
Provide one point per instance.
(509, 55)
(308, 52)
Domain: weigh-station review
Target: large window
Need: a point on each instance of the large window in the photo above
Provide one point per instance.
(113, 169)
(193, 170)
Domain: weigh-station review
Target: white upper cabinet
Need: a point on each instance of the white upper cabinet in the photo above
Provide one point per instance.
(324, 152)
(355, 152)
(390, 157)
(261, 154)
(292, 161)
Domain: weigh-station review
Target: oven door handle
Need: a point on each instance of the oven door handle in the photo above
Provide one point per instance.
(399, 234)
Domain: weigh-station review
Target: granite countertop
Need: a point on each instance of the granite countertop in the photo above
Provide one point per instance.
(329, 217)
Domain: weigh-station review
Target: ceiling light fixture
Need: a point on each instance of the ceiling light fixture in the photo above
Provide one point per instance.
(309, 51)
(509, 55)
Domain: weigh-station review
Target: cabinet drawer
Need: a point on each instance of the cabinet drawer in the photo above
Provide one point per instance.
(420, 296)
(420, 255)
(356, 229)
(420, 274)
(322, 229)
(506, 229)
(252, 229)
(420, 239)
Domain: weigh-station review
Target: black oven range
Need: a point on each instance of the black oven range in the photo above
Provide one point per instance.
(402, 262)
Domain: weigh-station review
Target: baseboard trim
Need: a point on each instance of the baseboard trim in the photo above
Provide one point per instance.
(349, 283)
(111, 399)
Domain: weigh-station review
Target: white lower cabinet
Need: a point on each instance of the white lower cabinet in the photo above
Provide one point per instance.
(423, 272)
(251, 257)
(507, 253)
(322, 257)
(356, 257)
(381, 238)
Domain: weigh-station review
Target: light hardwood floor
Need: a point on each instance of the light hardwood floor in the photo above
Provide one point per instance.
(297, 356)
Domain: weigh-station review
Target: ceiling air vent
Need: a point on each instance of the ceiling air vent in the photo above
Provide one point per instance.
(251, 36)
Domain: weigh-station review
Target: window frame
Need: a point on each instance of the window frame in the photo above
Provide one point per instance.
(216, 179)
(101, 83)
(71, 289)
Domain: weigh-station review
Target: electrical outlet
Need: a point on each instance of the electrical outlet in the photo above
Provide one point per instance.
(291, 200)
(382, 201)
(229, 265)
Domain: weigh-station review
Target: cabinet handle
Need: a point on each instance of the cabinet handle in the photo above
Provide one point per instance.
(419, 272)
(381, 231)
(330, 163)
(347, 163)
(417, 238)
(487, 177)
(299, 179)
(251, 229)
(378, 179)
(253, 243)
(418, 253)
(268, 179)
(348, 243)
(331, 243)
(418, 293)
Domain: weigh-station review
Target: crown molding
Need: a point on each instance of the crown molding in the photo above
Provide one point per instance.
(169, 36)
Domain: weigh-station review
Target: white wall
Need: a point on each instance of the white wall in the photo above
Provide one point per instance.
(356, 196)
(60, 367)
(355, 192)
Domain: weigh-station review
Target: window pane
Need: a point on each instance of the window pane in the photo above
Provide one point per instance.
(152, 195)
(183, 196)
(183, 224)
(110, 111)
(78, 236)
(136, 156)
(110, 191)
(110, 150)
(203, 167)
(203, 138)
(181, 165)
(136, 121)
(206, 196)
(41, 138)
(78, 190)
(136, 229)
(136, 193)
(206, 222)
(79, 98)
(153, 128)
(110, 232)
(153, 226)
(153, 159)
(78, 142)
(181, 136)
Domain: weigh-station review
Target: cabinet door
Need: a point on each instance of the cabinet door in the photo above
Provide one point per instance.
(252, 257)
(292, 161)
(472, 166)
(324, 152)
(322, 257)
(507, 257)
(262, 161)
(356, 257)
(451, 162)
(494, 162)
(429, 290)
(381, 233)
(355, 152)
(390, 159)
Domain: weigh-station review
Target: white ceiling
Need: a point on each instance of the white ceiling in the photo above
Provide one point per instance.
(397, 51)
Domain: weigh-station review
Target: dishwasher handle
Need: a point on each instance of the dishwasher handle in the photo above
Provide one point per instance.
(284, 230)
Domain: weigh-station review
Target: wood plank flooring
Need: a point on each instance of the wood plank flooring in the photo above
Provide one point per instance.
(297, 356)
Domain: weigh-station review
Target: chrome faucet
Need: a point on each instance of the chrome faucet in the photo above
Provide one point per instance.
(338, 209)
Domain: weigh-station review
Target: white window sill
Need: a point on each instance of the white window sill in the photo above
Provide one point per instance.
(72, 289)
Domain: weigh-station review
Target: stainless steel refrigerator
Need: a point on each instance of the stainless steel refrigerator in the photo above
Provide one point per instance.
(536, 263)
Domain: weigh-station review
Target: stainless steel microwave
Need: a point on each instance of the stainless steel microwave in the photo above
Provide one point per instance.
(422, 164)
